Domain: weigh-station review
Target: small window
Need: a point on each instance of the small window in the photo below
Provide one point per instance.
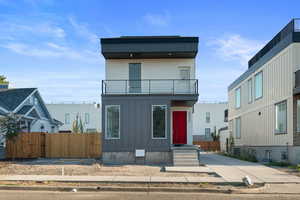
(87, 118)
(207, 132)
(258, 85)
(281, 117)
(238, 127)
(250, 90)
(207, 117)
(67, 118)
(112, 126)
(159, 121)
(298, 115)
(238, 98)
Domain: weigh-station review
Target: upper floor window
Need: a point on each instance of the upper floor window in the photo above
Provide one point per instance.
(238, 98)
(87, 118)
(258, 85)
(67, 118)
(112, 124)
(281, 117)
(207, 117)
(250, 90)
(159, 121)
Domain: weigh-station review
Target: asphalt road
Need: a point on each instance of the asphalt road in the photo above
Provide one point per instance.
(23, 195)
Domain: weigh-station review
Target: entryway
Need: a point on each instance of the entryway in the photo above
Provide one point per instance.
(179, 127)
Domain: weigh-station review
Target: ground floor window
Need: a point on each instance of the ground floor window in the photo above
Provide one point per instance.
(159, 121)
(112, 124)
(238, 127)
(281, 117)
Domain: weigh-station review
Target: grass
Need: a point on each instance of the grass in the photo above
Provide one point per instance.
(278, 164)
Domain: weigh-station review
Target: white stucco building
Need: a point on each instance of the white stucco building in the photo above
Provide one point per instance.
(90, 114)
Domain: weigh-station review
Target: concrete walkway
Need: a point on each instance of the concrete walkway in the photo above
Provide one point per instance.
(233, 170)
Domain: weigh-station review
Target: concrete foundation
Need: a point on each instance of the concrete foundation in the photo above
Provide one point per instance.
(157, 158)
(289, 154)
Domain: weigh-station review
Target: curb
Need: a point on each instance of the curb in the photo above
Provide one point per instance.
(133, 189)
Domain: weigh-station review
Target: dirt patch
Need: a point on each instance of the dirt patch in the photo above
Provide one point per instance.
(95, 169)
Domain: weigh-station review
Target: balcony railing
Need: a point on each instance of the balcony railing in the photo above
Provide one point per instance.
(150, 86)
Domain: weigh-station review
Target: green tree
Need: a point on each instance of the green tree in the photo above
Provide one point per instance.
(215, 135)
(10, 126)
(77, 126)
(3, 79)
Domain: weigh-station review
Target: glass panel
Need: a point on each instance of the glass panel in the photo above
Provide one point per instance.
(297, 25)
(238, 127)
(207, 132)
(238, 98)
(87, 118)
(298, 115)
(281, 113)
(159, 121)
(207, 117)
(258, 85)
(250, 90)
(112, 121)
(67, 118)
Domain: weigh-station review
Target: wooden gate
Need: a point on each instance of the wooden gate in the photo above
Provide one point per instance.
(208, 145)
(54, 145)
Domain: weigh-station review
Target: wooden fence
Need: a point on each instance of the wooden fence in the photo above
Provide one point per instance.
(55, 145)
(208, 145)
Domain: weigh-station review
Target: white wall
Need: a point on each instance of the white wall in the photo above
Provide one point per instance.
(216, 117)
(58, 112)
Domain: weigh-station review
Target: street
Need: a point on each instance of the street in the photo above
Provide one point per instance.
(29, 195)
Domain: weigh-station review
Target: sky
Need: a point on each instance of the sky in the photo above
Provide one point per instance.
(54, 44)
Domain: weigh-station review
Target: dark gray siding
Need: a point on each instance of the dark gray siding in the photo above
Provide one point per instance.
(135, 129)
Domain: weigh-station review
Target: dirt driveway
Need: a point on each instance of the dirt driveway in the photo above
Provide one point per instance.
(84, 167)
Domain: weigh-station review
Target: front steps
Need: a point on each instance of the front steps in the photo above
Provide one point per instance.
(185, 156)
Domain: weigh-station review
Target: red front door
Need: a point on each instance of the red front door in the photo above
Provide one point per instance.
(179, 127)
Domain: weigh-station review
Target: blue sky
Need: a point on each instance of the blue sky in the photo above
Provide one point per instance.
(54, 44)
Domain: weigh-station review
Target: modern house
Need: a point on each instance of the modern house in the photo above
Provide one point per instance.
(148, 97)
(28, 105)
(264, 102)
(207, 118)
(89, 113)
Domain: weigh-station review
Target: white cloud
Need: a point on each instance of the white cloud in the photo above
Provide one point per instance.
(83, 31)
(158, 19)
(236, 48)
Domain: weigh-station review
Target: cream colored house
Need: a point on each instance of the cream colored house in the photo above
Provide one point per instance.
(264, 102)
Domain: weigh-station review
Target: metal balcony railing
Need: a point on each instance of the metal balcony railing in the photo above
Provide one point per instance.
(150, 86)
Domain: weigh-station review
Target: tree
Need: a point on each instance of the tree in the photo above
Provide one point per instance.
(215, 135)
(77, 125)
(3, 79)
(10, 126)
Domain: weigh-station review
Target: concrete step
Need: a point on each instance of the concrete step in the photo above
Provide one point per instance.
(186, 156)
(186, 163)
(185, 151)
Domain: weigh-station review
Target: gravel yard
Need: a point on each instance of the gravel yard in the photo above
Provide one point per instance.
(92, 168)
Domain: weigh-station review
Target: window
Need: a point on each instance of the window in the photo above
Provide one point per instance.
(87, 118)
(298, 115)
(207, 117)
(67, 118)
(258, 85)
(238, 128)
(112, 124)
(238, 98)
(159, 121)
(281, 117)
(207, 132)
(250, 90)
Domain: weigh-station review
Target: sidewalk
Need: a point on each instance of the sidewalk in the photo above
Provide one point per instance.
(112, 179)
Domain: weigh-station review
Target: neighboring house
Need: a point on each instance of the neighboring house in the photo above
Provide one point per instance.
(29, 106)
(224, 139)
(207, 118)
(89, 113)
(264, 102)
(147, 97)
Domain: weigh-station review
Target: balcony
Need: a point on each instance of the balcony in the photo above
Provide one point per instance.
(150, 87)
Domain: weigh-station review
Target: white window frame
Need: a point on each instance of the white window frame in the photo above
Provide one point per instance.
(250, 90)
(262, 85)
(240, 99)
(286, 120)
(69, 118)
(166, 123)
(240, 131)
(119, 133)
(86, 118)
